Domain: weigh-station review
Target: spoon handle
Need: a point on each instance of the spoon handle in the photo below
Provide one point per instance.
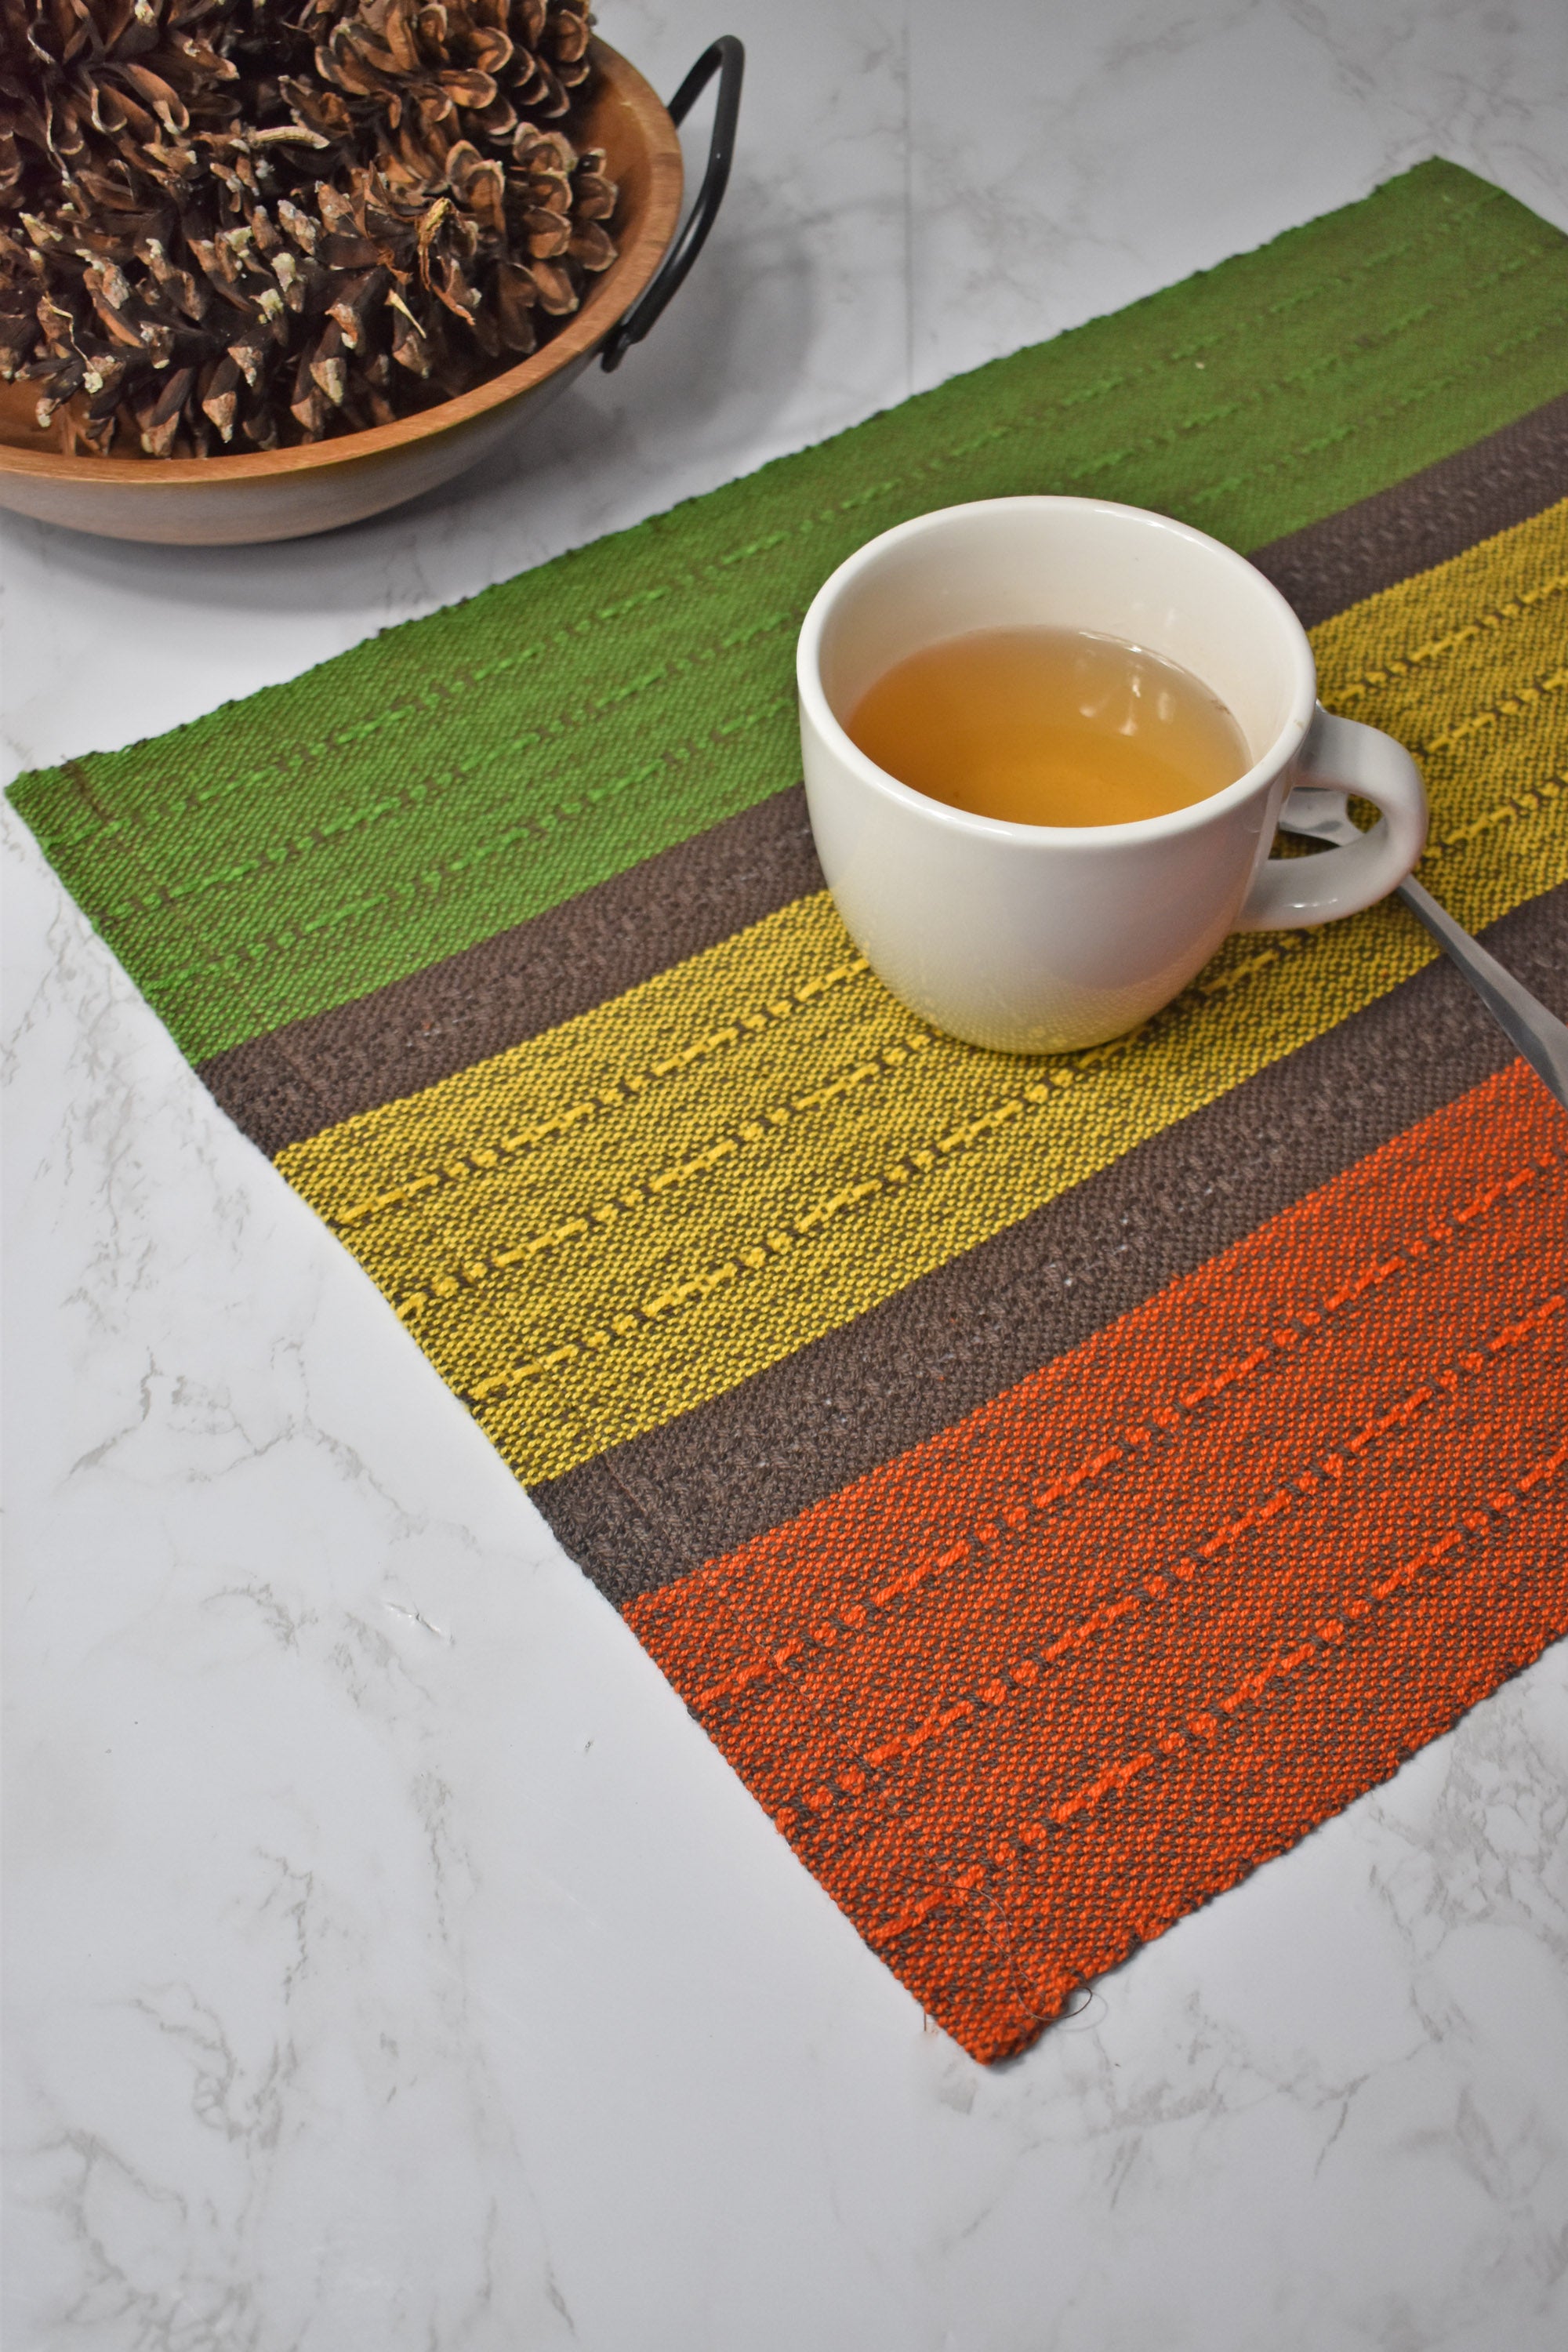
(1539, 1036)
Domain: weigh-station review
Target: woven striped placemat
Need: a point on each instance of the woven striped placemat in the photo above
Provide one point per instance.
(1055, 1485)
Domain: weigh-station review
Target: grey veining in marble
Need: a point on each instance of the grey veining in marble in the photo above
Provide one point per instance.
(394, 1968)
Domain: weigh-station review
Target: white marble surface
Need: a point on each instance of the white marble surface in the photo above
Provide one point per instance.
(393, 1966)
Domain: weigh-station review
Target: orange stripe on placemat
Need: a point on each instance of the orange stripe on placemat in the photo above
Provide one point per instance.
(1025, 1694)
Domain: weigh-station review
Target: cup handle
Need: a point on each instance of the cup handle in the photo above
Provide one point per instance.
(1290, 893)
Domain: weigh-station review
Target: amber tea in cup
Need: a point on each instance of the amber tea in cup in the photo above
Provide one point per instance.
(1048, 726)
(1048, 936)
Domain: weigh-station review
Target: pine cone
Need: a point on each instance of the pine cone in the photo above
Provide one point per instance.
(232, 222)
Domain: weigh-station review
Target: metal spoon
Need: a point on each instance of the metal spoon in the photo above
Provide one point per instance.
(1319, 815)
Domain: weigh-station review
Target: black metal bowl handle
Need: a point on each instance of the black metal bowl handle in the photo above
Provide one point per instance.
(727, 58)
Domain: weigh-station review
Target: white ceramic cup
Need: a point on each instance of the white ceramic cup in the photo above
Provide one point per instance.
(1038, 938)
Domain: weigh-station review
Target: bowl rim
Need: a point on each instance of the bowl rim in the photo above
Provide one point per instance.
(612, 297)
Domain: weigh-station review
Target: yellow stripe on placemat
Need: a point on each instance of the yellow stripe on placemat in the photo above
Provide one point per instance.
(627, 1215)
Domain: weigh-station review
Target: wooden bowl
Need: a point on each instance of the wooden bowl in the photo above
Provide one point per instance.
(287, 493)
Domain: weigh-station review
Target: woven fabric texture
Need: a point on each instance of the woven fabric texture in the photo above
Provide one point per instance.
(1056, 1485)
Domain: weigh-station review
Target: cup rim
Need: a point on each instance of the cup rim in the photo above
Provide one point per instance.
(816, 707)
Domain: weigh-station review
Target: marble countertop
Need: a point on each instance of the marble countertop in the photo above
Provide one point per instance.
(393, 1966)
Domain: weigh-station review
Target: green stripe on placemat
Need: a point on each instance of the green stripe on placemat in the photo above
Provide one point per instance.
(466, 772)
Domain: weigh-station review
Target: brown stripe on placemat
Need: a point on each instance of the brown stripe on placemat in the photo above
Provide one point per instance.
(296, 1081)
(1423, 520)
(649, 1510)
(292, 1083)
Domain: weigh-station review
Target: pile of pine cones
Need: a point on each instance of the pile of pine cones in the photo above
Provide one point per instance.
(241, 224)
